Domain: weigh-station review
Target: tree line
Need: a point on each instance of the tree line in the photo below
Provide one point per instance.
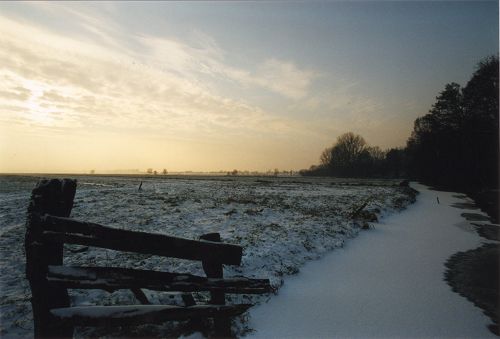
(351, 156)
(455, 145)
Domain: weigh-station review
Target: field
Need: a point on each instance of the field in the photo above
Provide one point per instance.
(280, 222)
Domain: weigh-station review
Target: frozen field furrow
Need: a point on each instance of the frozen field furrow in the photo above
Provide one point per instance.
(280, 222)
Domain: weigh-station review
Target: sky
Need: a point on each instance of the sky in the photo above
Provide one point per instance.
(209, 86)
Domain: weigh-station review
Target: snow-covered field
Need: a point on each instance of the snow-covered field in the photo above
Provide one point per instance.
(280, 222)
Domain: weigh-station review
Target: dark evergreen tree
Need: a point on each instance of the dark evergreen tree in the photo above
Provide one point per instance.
(456, 144)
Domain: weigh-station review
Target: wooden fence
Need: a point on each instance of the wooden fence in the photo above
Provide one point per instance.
(49, 227)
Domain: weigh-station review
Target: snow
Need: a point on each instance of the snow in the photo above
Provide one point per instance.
(109, 311)
(387, 283)
(281, 223)
(130, 311)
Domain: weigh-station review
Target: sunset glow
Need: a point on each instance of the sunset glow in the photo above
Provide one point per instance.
(218, 86)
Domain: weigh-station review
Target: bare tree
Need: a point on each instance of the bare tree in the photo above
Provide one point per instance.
(348, 148)
(326, 157)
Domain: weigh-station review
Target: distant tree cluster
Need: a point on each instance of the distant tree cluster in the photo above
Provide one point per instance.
(455, 145)
(155, 172)
(276, 172)
(351, 156)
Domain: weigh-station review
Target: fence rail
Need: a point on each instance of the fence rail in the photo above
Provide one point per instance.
(114, 278)
(70, 231)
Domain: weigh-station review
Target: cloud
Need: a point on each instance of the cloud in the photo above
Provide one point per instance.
(206, 57)
(75, 84)
(285, 77)
(17, 93)
(136, 87)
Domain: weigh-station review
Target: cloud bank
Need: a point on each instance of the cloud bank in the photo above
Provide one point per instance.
(97, 81)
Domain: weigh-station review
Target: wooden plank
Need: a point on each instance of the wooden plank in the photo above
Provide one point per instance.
(68, 230)
(188, 299)
(140, 314)
(214, 269)
(114, 278)
(140, 296)
(56, 197)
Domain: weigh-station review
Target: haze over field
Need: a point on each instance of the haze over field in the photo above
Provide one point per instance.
(217, 86)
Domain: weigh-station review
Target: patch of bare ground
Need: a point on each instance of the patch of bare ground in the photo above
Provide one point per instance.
(488, 231)
(474, 274)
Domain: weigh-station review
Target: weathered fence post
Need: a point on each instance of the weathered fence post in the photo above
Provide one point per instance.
(214, 269)
(53, 197)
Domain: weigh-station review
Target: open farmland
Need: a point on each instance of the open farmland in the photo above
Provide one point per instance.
(280, 222)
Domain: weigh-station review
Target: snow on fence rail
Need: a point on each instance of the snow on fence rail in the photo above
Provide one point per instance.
(48, 227)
